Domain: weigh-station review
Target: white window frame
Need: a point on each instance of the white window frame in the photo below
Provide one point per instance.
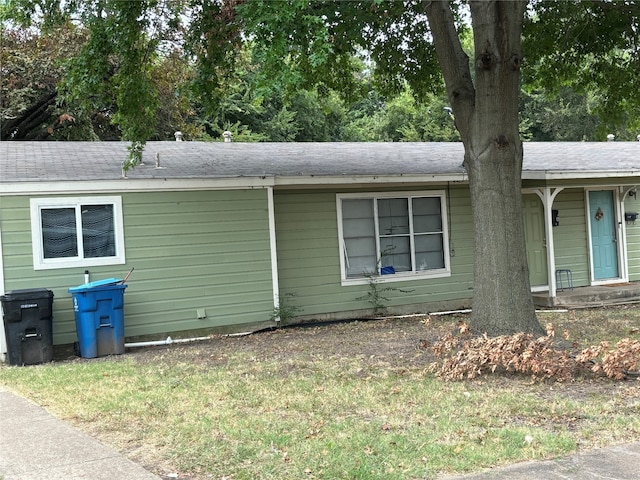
(41, 263)
(399, 276)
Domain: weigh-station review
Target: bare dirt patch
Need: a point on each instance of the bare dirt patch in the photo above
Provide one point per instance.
(394, 342)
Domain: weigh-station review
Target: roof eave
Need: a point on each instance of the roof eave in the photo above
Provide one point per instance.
(133, 185)
(573, 175)
(310, 180)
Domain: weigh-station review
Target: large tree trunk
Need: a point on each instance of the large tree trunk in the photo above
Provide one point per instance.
(487, 118)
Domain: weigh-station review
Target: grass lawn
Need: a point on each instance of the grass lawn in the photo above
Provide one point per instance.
(348, 400)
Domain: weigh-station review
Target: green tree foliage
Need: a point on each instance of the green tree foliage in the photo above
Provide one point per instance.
(32, 67)
(172, 75)
(593, 47)
(404, 119)
(566, 116)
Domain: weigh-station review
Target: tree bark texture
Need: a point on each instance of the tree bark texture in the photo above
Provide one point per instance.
(486, 112)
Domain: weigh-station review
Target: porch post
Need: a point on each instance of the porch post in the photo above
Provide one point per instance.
(548, 195)
(624, 261)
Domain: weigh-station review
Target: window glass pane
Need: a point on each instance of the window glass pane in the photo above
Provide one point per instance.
(404, 243)
(358, 231)
(360, 256)
(429, 251)
(426, 215)
(59, 235)
(395, 252)
(357, 227)
(358, 208)
(393, 216)
(98, 233)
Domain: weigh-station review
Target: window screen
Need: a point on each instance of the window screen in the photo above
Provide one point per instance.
(390, 235)
(77, 231)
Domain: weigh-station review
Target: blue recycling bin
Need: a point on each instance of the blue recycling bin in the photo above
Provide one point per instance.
(99, 312)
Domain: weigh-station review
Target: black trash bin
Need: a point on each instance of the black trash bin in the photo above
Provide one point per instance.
(28, 328)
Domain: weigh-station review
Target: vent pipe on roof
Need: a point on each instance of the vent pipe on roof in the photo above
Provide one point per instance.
(611, 137)
(178, 136)
(227, 136)
(158, 167)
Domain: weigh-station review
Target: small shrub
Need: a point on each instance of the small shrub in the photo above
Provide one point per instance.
(285, 311)
(375, 296)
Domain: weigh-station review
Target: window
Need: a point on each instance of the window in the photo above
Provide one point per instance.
(396, 236)
(77, 232)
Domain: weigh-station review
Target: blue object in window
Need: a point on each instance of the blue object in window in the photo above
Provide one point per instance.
(387, 270)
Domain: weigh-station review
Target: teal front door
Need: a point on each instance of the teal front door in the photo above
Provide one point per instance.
(604, 242)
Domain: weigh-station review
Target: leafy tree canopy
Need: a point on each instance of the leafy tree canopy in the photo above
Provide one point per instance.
(590, 46)
(129, 57)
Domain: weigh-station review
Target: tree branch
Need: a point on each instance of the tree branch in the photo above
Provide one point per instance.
(19, 128)
(454, 62)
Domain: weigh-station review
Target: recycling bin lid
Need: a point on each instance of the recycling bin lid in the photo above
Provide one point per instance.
(98, 283)
(26, 294)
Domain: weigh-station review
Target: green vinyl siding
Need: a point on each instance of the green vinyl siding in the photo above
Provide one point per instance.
(570, 237)
(632, 204)
(309, 263)
(190, 250)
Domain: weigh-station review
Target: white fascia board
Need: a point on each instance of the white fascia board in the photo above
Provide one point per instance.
(572, 175)
(133, 185)
(292, 181)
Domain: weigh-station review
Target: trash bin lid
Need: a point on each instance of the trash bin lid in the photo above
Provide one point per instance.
(26, 294)
(98, 283)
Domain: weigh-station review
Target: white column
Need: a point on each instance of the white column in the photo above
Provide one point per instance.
(548, 195)
(274, 252)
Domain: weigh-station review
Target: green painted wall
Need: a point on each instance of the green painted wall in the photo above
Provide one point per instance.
(632, 204)
(570, 237)
(309, 263)
(191, 250)
(210, 250)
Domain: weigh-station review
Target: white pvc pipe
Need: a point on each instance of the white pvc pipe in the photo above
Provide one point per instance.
(187, 340)
(151, 343)
(449, 312)
(168, 341)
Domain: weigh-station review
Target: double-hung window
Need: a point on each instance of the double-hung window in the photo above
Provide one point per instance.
(396, 236)
(76, 232)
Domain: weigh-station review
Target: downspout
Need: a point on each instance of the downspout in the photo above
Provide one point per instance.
(274, 252)
(3, 340)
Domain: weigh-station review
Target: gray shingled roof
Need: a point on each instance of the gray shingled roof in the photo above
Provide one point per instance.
(72, 161)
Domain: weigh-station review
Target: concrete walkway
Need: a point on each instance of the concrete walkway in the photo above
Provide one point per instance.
(621, 462)
(36, 446)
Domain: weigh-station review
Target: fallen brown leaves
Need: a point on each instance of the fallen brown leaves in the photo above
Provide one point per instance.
(464, 356)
